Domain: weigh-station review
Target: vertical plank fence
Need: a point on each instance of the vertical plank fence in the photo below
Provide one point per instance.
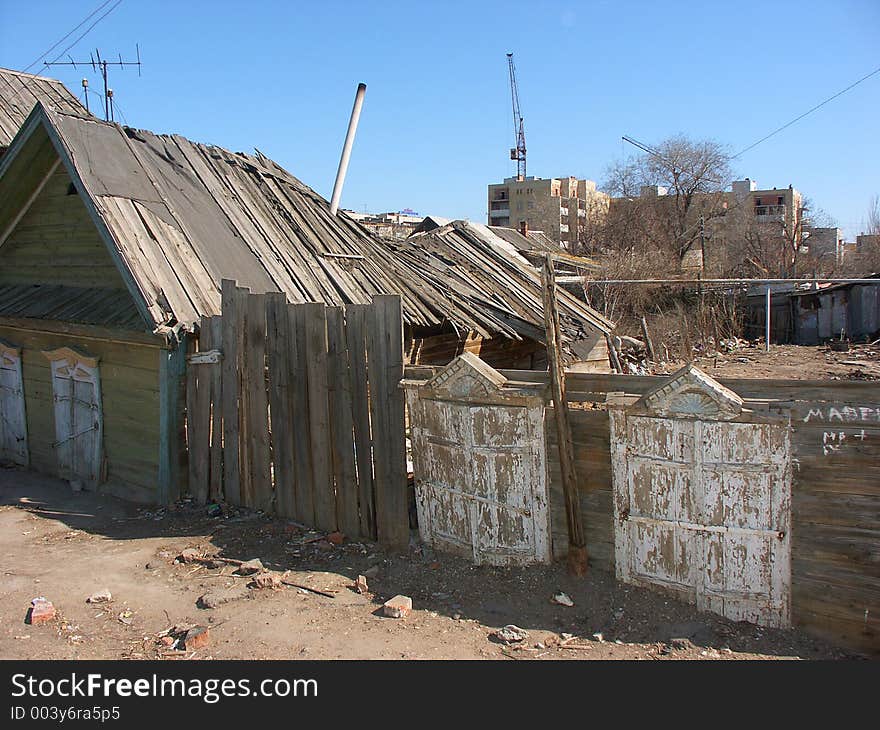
(295, 409)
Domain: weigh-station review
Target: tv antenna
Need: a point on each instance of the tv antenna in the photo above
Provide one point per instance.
(101, 64)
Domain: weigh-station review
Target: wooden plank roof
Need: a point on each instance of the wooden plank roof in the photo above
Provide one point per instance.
(18, 94)
(179, 217)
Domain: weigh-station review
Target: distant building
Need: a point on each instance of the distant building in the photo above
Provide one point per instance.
(560, 207)
(826, 243)
(388, 225)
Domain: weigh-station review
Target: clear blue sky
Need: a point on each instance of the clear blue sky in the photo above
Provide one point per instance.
(436, 125)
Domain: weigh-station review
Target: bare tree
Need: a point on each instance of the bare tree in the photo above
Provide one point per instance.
(694, 173)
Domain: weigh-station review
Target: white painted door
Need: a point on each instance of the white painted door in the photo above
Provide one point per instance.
(703, 510)
(13, 425)
(480, 468)
(78, 416)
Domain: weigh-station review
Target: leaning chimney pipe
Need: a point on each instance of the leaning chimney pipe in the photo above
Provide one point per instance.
(346, 148)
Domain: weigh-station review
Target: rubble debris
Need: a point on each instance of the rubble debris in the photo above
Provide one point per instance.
(563, 599)
(598, 636)
(41, 611)
(102, 596)
(336, 538)
(250, 567)
(361, 585)
(124, 617)
(397, 607)
(681, 644)
(266, 580)
(510, 634)
(189, 555)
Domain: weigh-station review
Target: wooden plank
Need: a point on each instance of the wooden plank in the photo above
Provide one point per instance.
(577, 551)
(231, 395)
(385, 363)
(355, 332)
(277, 348)
(342, 425)
(259, 479)
(302, 458)
(198, 425)
(319, 416)
(212, 331)
(244, 471)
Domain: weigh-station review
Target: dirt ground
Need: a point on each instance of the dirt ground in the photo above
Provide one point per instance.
(65, 546)
(789, 362)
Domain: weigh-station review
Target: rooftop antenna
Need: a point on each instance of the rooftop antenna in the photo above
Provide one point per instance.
(517, 153)
(100, 64)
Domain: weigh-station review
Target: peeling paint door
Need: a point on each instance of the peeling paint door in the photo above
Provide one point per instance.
(705, 513)
(78, 416)
(480, 470)
(13, 425)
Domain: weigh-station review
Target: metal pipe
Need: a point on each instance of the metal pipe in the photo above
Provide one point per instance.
(767, 324)
(346, 148)
(588, 280)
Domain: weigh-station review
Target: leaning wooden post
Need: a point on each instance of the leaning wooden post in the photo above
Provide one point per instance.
(577, 545)
(648, 343)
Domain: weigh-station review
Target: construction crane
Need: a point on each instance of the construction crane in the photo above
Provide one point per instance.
(517, 153)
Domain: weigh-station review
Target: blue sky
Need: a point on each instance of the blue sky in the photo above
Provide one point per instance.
(436, 125)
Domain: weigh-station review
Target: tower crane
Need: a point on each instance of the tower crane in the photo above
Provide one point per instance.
(517, 153)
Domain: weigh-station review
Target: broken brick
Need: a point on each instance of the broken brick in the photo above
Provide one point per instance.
(41, 611)
(337, 538)
(361, 584)
(398, 607)
(190, 555)
(196, 638)
(250, 567)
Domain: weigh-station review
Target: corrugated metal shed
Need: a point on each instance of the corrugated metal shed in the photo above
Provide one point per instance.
(19, 92)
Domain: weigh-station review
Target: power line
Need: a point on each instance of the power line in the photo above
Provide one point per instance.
(86, 31)
(809, 111)
(70, 33)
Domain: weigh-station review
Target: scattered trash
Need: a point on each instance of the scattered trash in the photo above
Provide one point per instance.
(125, 617)
(398, 607)
(510, 634)
(563, 599)
(102, 596)
(214, 510)
(599, 637)
(361, 585)
(41, 611)
(250, 567)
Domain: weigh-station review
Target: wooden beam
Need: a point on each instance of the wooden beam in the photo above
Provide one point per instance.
(577, 545)
(29, 202)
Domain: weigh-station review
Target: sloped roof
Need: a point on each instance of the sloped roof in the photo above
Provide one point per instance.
(485, 280)
(178, 217)
(18, 94)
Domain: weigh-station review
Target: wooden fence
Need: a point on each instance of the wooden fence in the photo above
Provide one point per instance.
(295, 409)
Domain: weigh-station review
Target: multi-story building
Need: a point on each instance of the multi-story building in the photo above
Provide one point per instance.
(560, 207)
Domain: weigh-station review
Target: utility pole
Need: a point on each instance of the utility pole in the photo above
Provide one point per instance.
(101, 65)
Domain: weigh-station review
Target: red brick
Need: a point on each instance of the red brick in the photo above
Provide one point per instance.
(40, 612)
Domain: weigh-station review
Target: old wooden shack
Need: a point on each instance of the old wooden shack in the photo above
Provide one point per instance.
(113, 245)
(496, 290)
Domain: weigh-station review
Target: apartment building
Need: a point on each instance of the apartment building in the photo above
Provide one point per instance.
(560, 207)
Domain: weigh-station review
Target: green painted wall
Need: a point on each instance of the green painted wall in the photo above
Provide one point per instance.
(56, 243)
(130, 391)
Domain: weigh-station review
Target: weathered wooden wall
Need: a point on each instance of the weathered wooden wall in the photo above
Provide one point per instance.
(835, 489)
(299, 412)
(57, 243)
(131, 405)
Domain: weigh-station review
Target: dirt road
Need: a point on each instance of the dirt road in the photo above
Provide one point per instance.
(66, 546)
